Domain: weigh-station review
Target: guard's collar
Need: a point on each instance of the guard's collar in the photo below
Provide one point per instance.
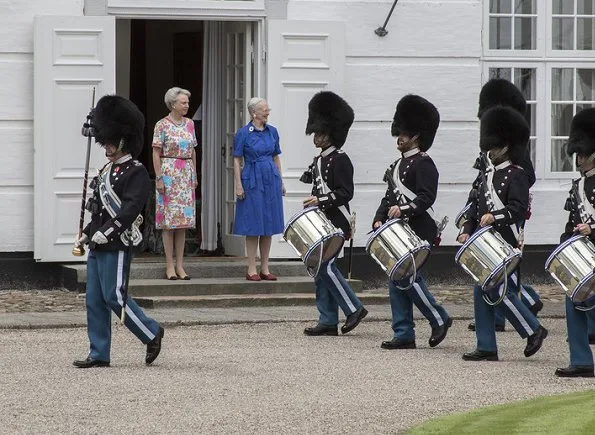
(123, 159)
(325, 152)
(410, 153)
(502, 165)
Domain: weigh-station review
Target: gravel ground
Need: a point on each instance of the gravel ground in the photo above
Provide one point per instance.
(263, 378)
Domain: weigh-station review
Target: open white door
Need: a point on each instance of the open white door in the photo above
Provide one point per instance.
(71, 56)
(304, 57)
(238, 90)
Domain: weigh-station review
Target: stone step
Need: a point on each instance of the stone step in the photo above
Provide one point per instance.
(74, 276)
(251, 300)
(223, 286)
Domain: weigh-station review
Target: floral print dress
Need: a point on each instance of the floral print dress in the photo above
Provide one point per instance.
(175, 209)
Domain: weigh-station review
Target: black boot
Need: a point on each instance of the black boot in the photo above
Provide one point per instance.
(353, 319)
(536, 308)
(480, 355)
(90, 362)
(575, 372)
(535, 341)
(439, 333)
(397, 343)
(322, 330)
(154, 347)
(471, 327)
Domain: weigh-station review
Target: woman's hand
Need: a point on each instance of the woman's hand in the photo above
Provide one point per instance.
(310, 201)
(394, 212)
(463, 238)
(160, 186)
(487, 219)
(283, 191)
(240, 192)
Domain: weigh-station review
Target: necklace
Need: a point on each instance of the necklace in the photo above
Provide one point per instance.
(177, 124)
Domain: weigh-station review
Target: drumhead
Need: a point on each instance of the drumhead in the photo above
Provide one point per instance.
(403, 268)
(560, 248)
(584, 290)
(508, 266)
(331, 245)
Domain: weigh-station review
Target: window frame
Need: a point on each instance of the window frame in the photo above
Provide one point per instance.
(570, 54)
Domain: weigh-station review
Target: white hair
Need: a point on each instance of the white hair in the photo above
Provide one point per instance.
(254, 101)
(172, 95)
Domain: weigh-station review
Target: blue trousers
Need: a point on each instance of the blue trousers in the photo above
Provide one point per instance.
(591, 321)
(401, 305)
(515, 311)
(105, 281)
(332, 292)
(528, 296)
(577, 323)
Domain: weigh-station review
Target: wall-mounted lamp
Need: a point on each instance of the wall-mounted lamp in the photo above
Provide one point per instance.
(381, 31)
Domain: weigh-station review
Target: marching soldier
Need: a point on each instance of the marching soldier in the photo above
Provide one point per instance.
(414, 125)
(120, 192)
(331, 173)
(502, 202)
(502, 92)
(580, 206)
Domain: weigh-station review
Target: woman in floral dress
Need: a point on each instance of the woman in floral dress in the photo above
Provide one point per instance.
(174, 159)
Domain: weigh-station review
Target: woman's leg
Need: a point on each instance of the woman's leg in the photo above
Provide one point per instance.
(265, 249)
(251, 247)
(168, 247)
(180, 242)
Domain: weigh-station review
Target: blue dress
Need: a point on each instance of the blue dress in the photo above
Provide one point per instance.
(260, 213)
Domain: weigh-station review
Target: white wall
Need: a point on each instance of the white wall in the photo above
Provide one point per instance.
(16, 116)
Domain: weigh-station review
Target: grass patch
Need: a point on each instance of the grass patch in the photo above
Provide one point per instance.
(560, 414)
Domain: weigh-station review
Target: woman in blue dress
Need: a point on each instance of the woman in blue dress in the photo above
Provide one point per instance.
(259, 187)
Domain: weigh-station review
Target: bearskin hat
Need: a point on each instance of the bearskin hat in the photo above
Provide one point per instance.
(416, 115)
(501, 92)
(503, 126)
(330, 114)
(117, 119)
(582, 133)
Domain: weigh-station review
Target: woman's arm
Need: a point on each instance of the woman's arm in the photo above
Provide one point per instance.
(157, 166)
(277, 161)
(237, 172)
(194, 171)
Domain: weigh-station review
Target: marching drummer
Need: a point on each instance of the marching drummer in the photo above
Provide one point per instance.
(416, 179)
(581, 220)
(502, 202)
(331, 174)
(502, 92)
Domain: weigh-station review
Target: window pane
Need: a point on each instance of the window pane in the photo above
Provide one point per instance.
(500, 6)
(561, 119)
(580, 107)
(524, 33)
(562, 84)
(530, 117)
(560, 160)
(532, 150)
(586, 7)
(501, 73)
(524, 79)
(565, 7)
(562, 33)
(524, 6)
(500, 29)
(585, 81)
(585, 35)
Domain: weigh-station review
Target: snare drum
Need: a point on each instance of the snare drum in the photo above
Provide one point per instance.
(397, 249)
(571, 265)
(488, 258)
(314, 238)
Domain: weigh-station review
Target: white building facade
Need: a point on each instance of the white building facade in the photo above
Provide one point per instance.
(53, 53)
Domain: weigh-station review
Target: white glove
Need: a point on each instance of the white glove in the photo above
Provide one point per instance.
(81, 240)
(99, 238)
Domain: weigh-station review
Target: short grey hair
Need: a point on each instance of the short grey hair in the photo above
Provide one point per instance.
(172, 95)
(254, 101)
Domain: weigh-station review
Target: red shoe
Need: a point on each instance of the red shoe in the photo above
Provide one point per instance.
(252, 277)
(268, 276)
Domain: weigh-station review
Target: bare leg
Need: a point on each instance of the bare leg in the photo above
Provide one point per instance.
(265, 249)
(168, 247)
(180, 241)
(251, 247)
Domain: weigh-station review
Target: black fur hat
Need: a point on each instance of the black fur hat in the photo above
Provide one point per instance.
(416, 115)
(117, 119)
(501, 92)
(330, 114)
(504, 126)
(582, 133)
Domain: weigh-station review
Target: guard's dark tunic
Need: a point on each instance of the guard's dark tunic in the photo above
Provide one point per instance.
(572, 206)
(419, 174)
(130, 181)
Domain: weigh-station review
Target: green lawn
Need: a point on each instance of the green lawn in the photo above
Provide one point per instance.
(565, 414)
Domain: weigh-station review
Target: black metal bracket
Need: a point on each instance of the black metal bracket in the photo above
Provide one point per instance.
(381, 31)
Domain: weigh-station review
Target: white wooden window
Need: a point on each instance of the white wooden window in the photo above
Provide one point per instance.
(547, 49)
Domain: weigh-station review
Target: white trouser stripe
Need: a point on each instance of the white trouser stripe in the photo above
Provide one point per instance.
(120, 296)
(339, 286)
(518, 316)
(523, 291)
(427, 303)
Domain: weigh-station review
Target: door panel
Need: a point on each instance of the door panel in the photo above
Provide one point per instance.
(71, 56)
(304, 57)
